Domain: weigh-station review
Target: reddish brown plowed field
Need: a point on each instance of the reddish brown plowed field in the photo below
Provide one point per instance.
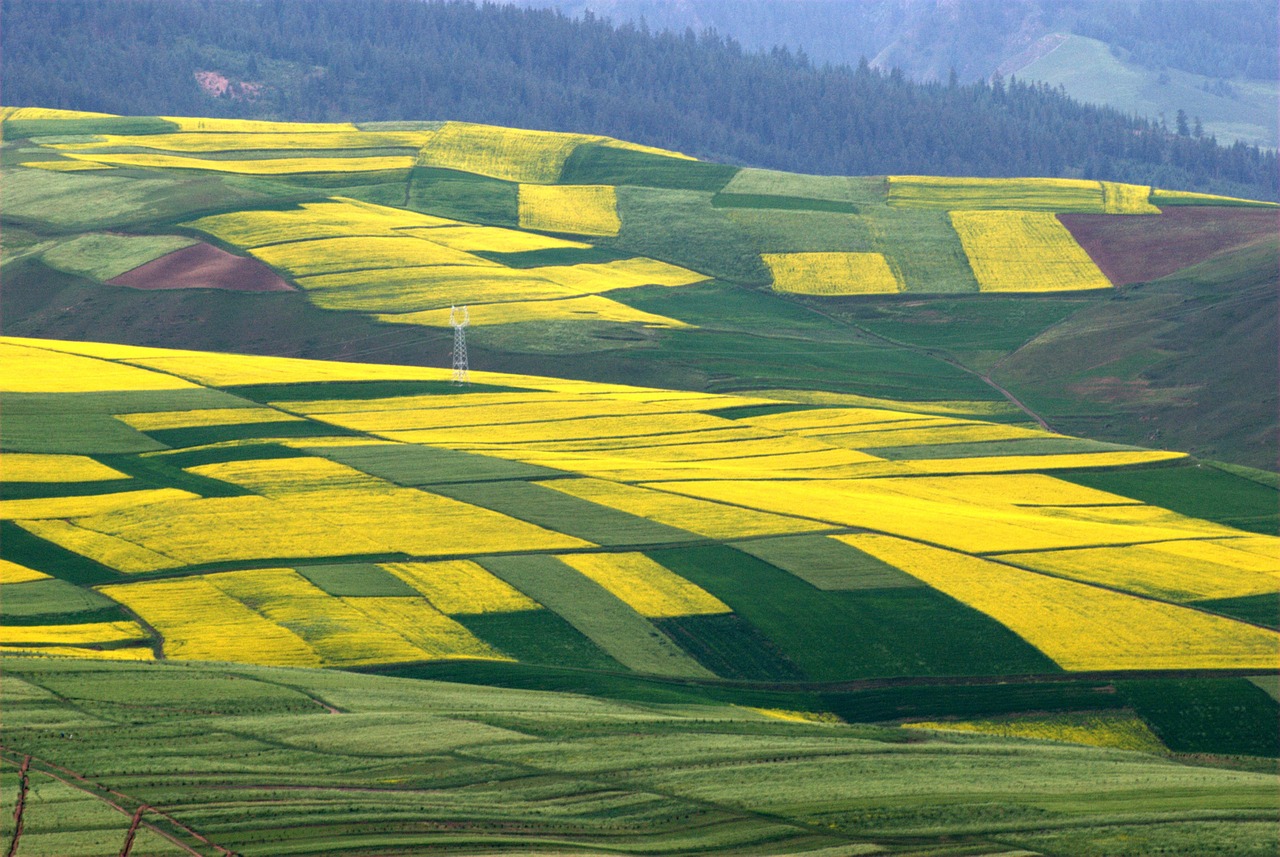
(1140, 248)
(203, 266)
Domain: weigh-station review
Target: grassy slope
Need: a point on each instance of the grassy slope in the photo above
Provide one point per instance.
(341, 763)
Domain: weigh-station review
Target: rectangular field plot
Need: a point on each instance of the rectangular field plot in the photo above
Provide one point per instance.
(334, 255)
(108, 550)
(714, 520)
(412, 465)
(338, 218)
(251, 167)
(950, 194)
(644, 586)
(1172, 571)
(45, 370)
(1082, 627)
(357, 580)
(1025, 251)
(538, 637)
(608, 622)
(29, 467)
(504, 153)
(843, 635)
(826, 563)
(542, 505)
(588, 308)
(460, 587)
(418, 288)
(832, 273)
(576, 209)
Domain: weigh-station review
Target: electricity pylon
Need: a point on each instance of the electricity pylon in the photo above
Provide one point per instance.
(459, 323)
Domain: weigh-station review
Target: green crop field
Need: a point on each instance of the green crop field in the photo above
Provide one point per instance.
(687, 564)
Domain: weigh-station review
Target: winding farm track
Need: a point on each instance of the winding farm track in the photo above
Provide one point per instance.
(78, 781)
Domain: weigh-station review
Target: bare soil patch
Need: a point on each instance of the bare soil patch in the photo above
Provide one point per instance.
(1141, 248)
(203, 266)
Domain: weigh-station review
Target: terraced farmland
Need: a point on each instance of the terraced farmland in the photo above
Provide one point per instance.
(733, 503)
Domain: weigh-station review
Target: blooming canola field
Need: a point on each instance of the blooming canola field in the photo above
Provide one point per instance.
(372, 538)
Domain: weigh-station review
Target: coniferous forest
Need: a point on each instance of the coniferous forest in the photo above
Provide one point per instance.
(327, 60)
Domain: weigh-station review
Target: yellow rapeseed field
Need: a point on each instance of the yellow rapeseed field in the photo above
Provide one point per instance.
(402, 293)
(493, 239)
(1024, 251)
(588, 308)
(714, 520)
(37, 467)
(200, 622)
(40, 370)
(12, 572)
(1053, 461)
(88, 504)
(220, 370)
(504, 153)
(160, 420)
(341, 634)
(1173, 571)
(641, 425)
(1015, 489)
(599, 277)
(461, 587)
(576, 209)
(1120, 198)
(7, 113)
(1081, 627)
(335, 218)
(256, 126)
(89, 633)
(1118, 730)
(940, 434)
(284, 138)
(130, 653)
(110, 551)
(432, 634)
(249, 167)
(644, 585)
(333, 255)
(403, 519)
(963, 193)
(832, 273)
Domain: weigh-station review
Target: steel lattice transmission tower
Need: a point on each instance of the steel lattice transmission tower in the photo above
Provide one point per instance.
(459, 323)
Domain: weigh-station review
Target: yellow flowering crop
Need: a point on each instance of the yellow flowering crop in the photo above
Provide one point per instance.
(832, 273)
(1115, 729)
(1262, 546)
(958, 432)
(403, 519)
(1081, 627)
(714, 520)
(284, 138)
(39, 370)
(413, 295)
(504, 153)
(132, 653)
(110, 551)
(256, 126)
(200, 622)
(340, 633)
(336, 218)
(797, 716)
(493, 239)
(1120, 198)
(231, 369)
(461, 587)
(430, 632)
(12, 572)
(1015, 489)
(577, 209)
(47, 113)
(589, 308)
(332, 255)
(35, 467)
(1058, 461)
(550, 430)
(72, 635)
(596, 277)
(250, 167)
(158, 420)
(1024, 251)
(1029, 194)
(1176, 571)
(836, 420)
(88, 504)
(901, 507)
(949, 408)
(646, 587)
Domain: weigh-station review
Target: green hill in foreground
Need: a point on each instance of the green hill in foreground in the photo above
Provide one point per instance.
(747, 535)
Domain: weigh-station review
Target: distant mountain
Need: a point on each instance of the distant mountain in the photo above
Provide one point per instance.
(1214, 59)
(325, 60)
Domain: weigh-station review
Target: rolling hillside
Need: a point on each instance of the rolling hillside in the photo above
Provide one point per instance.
(753, 486)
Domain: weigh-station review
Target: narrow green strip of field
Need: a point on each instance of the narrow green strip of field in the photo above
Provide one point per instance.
(1192, 489)
(1227, 716)
(464, 196)
(200, 435)
(41, 490)
(409, 464)
(164, 472)
(980, 449)
(773, 202)
(555, 256)
(1258, 609)
(34, 552)
(357, 580)
(539, 637)
(566, 514)
(827, 563)
(217, 455)
(49, 602)
(323, 390)
(88, 125)
(613, 626)
(856, 634)
(595, 164)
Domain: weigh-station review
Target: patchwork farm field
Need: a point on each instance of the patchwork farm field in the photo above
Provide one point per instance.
(755, 528)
